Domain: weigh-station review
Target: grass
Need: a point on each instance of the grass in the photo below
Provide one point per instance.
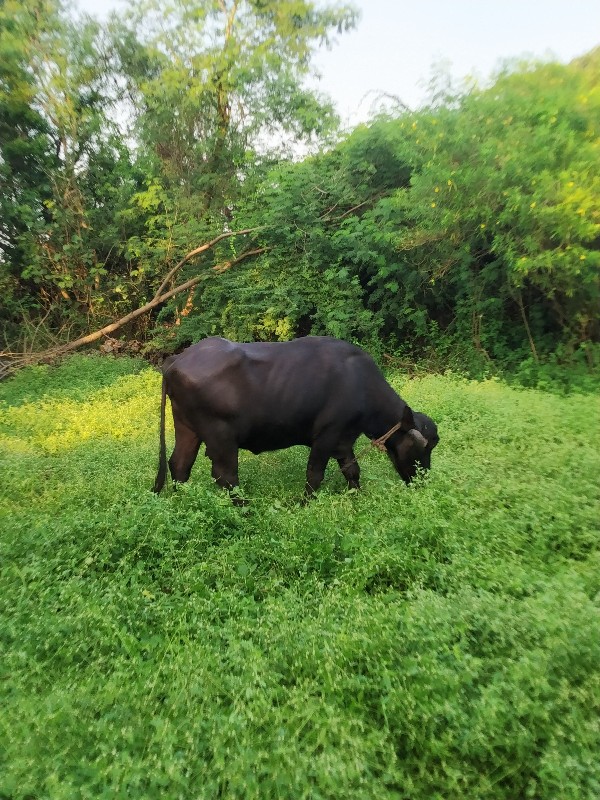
(436, 641)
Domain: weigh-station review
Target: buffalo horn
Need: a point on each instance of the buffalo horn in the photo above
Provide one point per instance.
(418, 438)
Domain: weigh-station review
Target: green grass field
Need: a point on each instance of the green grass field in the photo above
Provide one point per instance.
(436, 641)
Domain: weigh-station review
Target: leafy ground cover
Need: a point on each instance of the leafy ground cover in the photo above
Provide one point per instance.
(437, 641)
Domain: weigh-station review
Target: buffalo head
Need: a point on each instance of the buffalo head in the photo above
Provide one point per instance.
(411, 450)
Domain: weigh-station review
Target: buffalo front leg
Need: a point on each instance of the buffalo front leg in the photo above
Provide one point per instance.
(349, 467)
(225, 471)
(224, 461)
(184, 454)
(315, 469)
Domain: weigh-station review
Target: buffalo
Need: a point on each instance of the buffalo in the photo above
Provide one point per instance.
(315, 391)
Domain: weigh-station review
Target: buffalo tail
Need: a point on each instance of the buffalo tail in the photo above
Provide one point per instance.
(162, 453)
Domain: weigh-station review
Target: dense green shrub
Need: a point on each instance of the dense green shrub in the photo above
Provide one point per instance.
(466, 232)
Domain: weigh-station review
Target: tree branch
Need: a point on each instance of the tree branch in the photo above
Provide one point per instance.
(197, 252)
(519, 299)
(36, 358)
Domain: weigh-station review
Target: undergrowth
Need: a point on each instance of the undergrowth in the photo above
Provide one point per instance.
(435, 641)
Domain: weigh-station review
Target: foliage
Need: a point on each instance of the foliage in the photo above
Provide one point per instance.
(71, 176)
(25, 155)
(505, 208)
(125, 144)
(234, 73)
(466, 231)
(321, 246)
(441, 640)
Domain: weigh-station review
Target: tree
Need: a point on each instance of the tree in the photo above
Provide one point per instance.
(503, 210)
(471, 227)
(67, 172)
(325, 238)
(215, 85)
(26, 153)
(140, 138)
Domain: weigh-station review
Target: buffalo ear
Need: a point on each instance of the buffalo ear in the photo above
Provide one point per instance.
(418, 438)
(408, 420)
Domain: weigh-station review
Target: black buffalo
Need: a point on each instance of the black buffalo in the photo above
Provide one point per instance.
(316, 391)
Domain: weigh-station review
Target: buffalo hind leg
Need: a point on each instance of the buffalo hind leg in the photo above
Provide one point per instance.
(349, 467)
(225, 471)
(184, 454)
(315, 469)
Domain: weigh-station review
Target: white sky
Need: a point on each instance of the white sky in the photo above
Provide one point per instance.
(397, 42)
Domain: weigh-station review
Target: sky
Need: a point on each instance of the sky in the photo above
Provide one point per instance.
(397, 43)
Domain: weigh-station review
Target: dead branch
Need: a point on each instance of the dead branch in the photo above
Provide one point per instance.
(197, 252)
(26, 359)
(519, 298)
(225, 265)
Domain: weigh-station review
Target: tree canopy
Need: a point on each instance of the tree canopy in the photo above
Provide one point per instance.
(469, 228)
(472, 225)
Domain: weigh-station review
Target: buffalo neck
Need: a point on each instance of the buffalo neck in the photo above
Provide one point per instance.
(384, 410)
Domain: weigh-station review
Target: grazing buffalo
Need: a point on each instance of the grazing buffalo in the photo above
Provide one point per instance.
(316, 391)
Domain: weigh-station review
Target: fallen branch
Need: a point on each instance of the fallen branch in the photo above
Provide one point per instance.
(197, 252)
(48, 355)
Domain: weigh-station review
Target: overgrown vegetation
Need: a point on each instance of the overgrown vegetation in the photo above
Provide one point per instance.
(467, 232)
(124, 143)
(441, 640)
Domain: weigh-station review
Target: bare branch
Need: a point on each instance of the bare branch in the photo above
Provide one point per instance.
(22, 359)
(197, 252)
